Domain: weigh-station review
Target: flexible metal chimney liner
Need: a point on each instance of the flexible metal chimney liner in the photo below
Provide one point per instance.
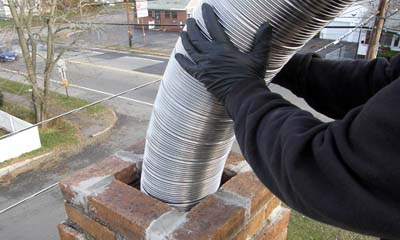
(190, 135)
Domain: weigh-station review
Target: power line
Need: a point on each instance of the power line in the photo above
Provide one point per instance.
(182, 25)
(28, 198)
(345, 35)
(79, 109)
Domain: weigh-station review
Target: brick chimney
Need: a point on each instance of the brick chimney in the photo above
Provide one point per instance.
(103, 202)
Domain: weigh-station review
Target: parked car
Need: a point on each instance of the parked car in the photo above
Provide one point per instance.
(7, 55)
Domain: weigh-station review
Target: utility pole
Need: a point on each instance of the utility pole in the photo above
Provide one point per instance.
(138, 22)
(377, 31)
(127, 6)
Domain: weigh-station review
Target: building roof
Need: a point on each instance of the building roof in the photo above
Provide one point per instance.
(359, 12)
(168, 4)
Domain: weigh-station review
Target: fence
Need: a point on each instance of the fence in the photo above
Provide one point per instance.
(18, 144)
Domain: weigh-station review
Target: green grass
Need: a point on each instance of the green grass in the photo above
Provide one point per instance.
(2, 132)
(304, 228)
(18, 111)
(13, 87)
(57, 134)
(5, 23)
(388, 54)
(73, 103)
(68, 103)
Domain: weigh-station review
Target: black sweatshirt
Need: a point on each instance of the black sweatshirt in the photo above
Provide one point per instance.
(345, 173)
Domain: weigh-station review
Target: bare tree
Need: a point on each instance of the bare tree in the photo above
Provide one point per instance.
(48, 20)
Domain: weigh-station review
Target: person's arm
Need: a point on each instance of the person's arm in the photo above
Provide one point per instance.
(345, 173)
(334, 87)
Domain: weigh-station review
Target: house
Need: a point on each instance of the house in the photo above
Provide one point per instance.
(391, 32)
(4, 10)
(345, 28)
(168, 12)
(355, 16)
(351, 18)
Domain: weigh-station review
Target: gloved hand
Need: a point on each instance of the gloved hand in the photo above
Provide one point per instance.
(218, 64)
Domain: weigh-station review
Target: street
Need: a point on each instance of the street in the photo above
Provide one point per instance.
(93, 74)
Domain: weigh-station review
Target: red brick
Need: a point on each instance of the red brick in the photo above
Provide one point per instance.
(181, 18)
(276, 227)
(112, 166)
(211, 219)
(282, 236)
(233, 163)
(271, 206)
(68, 233)
(126, 209)
(248, 186)
(234, 158)
(254, 225)
(98, 231)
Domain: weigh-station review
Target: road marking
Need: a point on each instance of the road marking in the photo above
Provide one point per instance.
(84, 88)
(105, 93)
(115, 69)
(145, 59)
(128, 52)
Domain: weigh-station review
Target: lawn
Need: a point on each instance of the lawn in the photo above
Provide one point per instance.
(58, 134)
(53, 136)
(387, 53)
(13, 87)
(5, 23)
(304, 228)
(73, 103)
(57, 99)
(2, 132)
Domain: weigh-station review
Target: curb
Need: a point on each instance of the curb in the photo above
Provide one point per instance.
(108, 128)
(6, 170)
(9, 169)
(139, 51)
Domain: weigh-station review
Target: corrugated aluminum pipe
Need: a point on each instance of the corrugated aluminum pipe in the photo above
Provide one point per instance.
(190, 136)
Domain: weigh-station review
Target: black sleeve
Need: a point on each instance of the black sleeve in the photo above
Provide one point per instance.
(345, 173)
(335, 87)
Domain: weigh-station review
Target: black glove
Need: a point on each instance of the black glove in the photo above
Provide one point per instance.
(218, 64)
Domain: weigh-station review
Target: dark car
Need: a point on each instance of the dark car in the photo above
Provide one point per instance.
(7, 55)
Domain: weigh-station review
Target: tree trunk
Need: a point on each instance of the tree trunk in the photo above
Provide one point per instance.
(50, 60)
(19, 21)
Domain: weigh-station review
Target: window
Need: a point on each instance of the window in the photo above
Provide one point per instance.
(150, 13)
(167, 14)
(396, 42)
(158, 15)
(174, 15)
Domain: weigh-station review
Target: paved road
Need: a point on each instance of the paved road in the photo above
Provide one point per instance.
(95, 74)
(102, 34)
